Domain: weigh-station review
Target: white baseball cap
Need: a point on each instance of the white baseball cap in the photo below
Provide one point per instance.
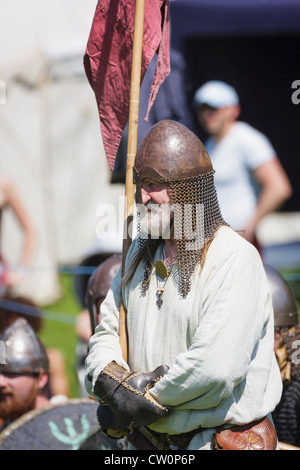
(216, 94)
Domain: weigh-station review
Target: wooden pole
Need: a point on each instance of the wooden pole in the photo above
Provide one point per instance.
(131, 149)
(284, 446)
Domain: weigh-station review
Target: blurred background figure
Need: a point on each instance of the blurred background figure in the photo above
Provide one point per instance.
(97, 288)
(14, 307)
(287, 349)
(9, 198)
(249, 178)
(24, 374)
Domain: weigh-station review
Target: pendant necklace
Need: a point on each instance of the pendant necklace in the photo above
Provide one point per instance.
(162, 272)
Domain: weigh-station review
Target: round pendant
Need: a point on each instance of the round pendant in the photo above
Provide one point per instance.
(161, 269)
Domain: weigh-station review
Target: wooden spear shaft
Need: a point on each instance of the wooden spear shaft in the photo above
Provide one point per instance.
(131, 150)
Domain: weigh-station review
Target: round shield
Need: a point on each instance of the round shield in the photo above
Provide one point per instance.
(64, 426)
(94, 441)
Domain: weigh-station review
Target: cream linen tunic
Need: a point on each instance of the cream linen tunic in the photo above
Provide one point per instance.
(218, 342)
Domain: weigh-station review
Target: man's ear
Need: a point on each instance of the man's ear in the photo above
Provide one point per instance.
(42, 380)
(236, 111)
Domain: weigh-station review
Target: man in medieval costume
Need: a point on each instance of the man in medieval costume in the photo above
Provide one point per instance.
(286, 415)
(24, 372)
(200, 364)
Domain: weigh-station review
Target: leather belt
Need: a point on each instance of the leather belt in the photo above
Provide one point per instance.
(180, 440)
(257, 435)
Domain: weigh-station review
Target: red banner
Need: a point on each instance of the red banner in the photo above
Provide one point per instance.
(108, 59)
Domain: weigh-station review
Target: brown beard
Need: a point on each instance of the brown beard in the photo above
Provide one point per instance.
(156, 222)
(12, 407)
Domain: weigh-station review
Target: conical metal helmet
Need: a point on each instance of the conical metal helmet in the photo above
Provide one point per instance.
(101, 279)
(283, 299)
(169, 152)
(23, 351)
(99, 284)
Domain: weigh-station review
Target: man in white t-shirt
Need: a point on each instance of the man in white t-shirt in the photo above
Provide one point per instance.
(249, 177)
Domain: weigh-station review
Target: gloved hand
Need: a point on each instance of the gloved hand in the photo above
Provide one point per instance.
(108, 423)
(127, 395)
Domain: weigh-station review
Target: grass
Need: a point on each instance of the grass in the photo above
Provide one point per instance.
(292, 276)
(59, 329)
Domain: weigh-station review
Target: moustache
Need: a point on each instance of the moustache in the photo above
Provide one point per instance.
(4, 394)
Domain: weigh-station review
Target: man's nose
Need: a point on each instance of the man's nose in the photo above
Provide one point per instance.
(3, 380)
(145, 196)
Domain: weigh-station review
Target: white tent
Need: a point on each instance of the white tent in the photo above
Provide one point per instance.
(50, 142)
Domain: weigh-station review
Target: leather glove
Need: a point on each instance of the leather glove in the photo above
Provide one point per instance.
(108, 423)
(127, 395)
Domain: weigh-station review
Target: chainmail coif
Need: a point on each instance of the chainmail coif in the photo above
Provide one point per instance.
(197, 215)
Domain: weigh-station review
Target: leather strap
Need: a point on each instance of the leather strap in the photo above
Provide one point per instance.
(180, 440)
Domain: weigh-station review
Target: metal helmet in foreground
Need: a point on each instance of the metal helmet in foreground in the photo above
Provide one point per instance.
(170, 151)
(23, 351)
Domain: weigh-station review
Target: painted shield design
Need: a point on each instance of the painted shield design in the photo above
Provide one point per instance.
(70, 425)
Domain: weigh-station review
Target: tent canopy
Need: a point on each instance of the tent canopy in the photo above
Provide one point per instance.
(50, 141)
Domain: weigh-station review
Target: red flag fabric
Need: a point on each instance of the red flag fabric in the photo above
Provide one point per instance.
(108, 59)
